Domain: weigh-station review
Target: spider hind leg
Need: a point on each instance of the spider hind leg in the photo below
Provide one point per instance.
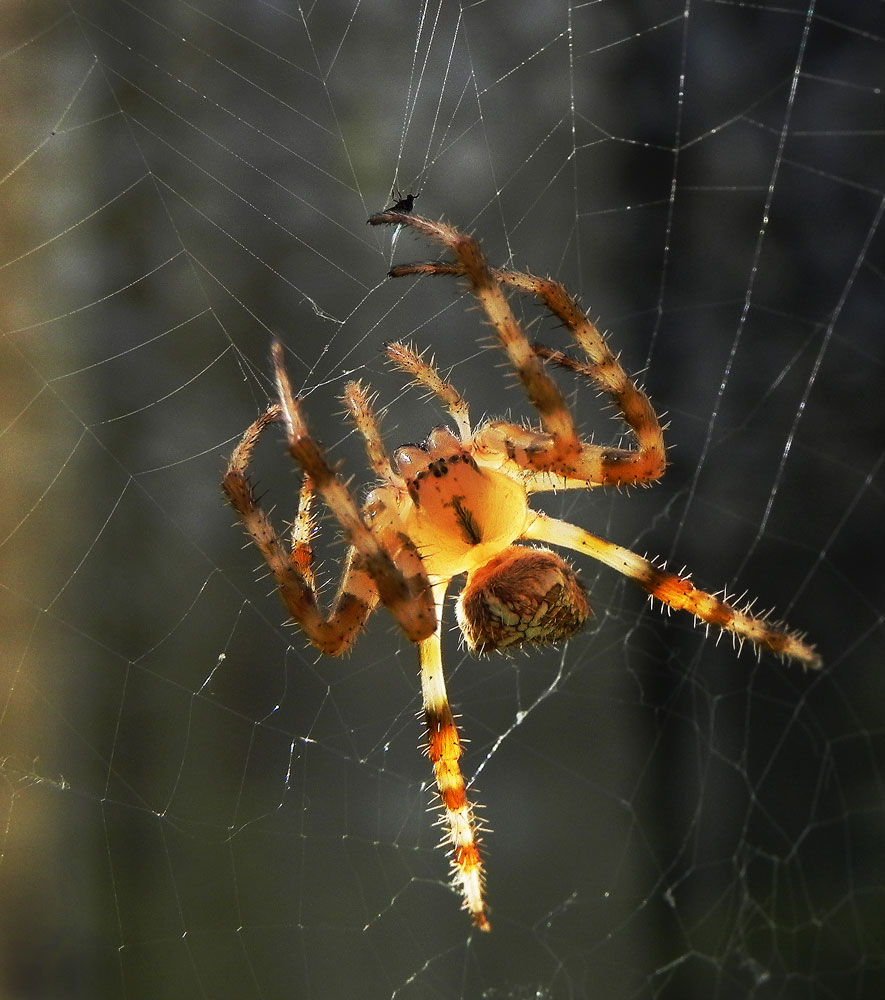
(458, 819)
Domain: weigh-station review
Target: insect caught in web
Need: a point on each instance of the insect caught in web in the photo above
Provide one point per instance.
(457, 505)
(402, 203)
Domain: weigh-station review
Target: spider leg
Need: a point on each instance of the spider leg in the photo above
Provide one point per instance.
(558, 451)
(302, 531)
(678, 592)
(605, 372)
(539, 387)
(395, 566)
(444, 746)
(359, 406)
(428, 375)
(293, 570)
(606, 465)
(444, 750)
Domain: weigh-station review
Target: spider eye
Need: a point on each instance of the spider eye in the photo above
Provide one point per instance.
(522, 595)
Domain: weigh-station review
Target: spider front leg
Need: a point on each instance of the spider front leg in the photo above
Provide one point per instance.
(645, 462)
(678, 592)
(443, 742)
(541, 390)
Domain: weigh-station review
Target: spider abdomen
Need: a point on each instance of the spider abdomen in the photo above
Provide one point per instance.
(522, 595)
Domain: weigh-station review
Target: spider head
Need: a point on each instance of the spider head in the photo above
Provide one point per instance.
(521, 595)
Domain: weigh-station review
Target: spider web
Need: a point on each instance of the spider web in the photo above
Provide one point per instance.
(193, 804)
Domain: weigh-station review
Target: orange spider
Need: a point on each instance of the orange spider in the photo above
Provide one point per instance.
(459, 504)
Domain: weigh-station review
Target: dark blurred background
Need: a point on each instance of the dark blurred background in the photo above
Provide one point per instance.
(192, 803)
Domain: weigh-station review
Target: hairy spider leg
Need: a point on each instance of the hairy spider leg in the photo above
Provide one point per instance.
(359, 406)
(597, 465)
(357, 594)
(570, 462)
(539, 387)
(426, 373)
(605, 372)
(395, 567)
(443, 740)
(678, 592)
(302, 533)
(444, 750)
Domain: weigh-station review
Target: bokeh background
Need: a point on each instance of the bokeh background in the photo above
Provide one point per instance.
(192, 803)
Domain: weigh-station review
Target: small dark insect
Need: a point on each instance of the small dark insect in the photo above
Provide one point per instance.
(403, 204)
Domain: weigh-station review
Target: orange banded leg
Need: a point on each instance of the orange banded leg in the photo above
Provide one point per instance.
(678, 592)
(302, 533)
(397, 574)
(542, 392)
(595, 465)
(562, 454)
(603, 368)
(444, 750)
(648, 460)
(293, 569)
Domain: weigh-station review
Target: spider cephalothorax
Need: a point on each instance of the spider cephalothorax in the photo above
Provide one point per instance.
(458, 505)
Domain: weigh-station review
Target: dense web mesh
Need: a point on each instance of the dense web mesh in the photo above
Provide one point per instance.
(192, 802)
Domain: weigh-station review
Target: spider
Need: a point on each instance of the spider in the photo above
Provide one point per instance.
(458, 504)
